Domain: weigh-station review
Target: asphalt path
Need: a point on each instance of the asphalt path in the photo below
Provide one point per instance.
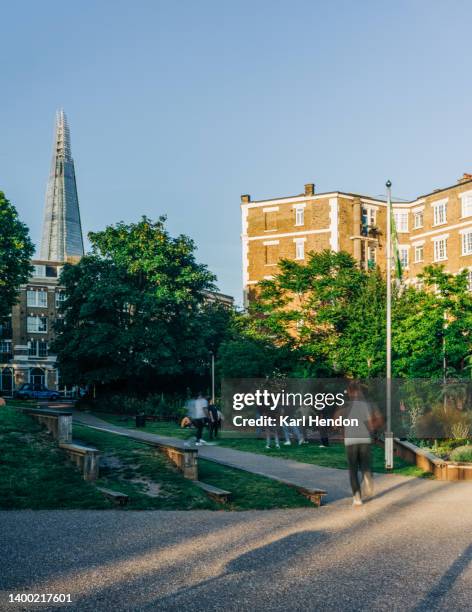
(410, 548)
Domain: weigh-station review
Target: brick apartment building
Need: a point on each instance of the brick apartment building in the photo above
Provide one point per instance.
(434, 228)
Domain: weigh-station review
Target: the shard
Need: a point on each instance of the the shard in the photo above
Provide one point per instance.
(62, 231)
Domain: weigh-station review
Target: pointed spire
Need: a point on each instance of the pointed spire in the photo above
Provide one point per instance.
(62, 231)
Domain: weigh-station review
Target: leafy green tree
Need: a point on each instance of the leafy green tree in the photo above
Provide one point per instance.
(431, 323)
(16, 250)
(136, 315)
(328, 312)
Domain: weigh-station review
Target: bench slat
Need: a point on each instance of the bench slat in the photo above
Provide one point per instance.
(214, 492)
(78, 448)
(116, 496)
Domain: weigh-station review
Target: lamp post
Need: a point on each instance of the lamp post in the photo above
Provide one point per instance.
(212, 377)
(388, 380)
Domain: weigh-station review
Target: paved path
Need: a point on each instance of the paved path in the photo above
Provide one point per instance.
(332, 480)
(410, 549)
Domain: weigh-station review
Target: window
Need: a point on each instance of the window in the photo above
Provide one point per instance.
(403, 254)
(419, 253)
(270, 221)
(368, 219)
(271, 254)
(371, 257)
(60, 298)
(469, 280)
(39, 271)
(37, 348)
(440, 249)
(5, 328)
(440, 213)
(467, 205)
(37, 298)
(299, 249)
(418, 219)
(401, 220)
(299, 216)
(6, 347)
(467, 243)
(37, 324)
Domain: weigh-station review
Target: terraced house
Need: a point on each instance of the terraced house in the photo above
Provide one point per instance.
(434, 228)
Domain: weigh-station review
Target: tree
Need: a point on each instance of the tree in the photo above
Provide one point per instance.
(135, 315)
(16, 250)
(328, 312)
(431, 324)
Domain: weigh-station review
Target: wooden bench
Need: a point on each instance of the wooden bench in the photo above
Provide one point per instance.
(57, 422)
(314, 495)
(219, 495)
(85, 457)
(183, 456)
(117, 497)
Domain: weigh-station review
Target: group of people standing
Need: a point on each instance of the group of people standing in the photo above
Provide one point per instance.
(203, 413)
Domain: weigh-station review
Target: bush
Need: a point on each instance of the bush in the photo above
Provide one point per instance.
(462, 453)
(167, 409)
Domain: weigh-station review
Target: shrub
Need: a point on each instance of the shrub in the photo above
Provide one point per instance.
(462, 453)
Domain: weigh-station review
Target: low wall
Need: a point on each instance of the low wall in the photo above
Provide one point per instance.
(425, 460)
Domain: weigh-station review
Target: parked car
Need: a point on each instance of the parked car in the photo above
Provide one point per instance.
(30, 391)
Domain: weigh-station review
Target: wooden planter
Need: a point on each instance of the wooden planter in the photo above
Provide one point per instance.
(442, 469)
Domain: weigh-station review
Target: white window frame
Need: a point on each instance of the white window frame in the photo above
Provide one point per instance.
(466, 242)
(60, 298)
(400, 218)
(36, 324)
(418, 219)
(37, 299)
(299, 248)
(419, 248)
(299, 216)
(466, 204)
(36, 344)
(403, 252)
(469, 279)
(440, 248)
(6, 346)
(39, 271)
(439, 212)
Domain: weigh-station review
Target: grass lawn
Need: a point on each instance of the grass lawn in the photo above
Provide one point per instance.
(333, 456)
(34, 473)
(154, 483)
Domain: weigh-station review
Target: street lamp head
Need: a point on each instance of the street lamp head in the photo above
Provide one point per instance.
(388, 184)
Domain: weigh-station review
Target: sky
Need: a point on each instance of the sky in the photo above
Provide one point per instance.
(179, 107)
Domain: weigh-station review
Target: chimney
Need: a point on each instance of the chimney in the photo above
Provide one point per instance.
(245, 198)
(465, 177)
(310, 189)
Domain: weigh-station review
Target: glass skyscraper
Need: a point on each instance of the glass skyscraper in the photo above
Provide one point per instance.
(62, 231)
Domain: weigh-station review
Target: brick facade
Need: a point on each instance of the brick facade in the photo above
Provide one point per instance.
(26, 337)
(435, 228)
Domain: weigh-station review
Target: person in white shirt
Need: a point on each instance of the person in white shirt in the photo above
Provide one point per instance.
(200, 416)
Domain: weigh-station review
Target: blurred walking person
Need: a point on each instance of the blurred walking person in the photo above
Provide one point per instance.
(357, 440)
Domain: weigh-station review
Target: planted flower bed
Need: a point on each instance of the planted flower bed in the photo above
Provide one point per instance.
(446, 460)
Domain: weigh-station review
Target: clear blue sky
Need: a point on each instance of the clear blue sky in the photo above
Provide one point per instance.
(178, 107)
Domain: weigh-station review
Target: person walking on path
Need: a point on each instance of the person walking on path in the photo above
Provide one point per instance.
(357, 440)
(200, 417)
(215, 417)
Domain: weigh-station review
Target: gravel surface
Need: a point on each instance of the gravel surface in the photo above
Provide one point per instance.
(408, 549)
